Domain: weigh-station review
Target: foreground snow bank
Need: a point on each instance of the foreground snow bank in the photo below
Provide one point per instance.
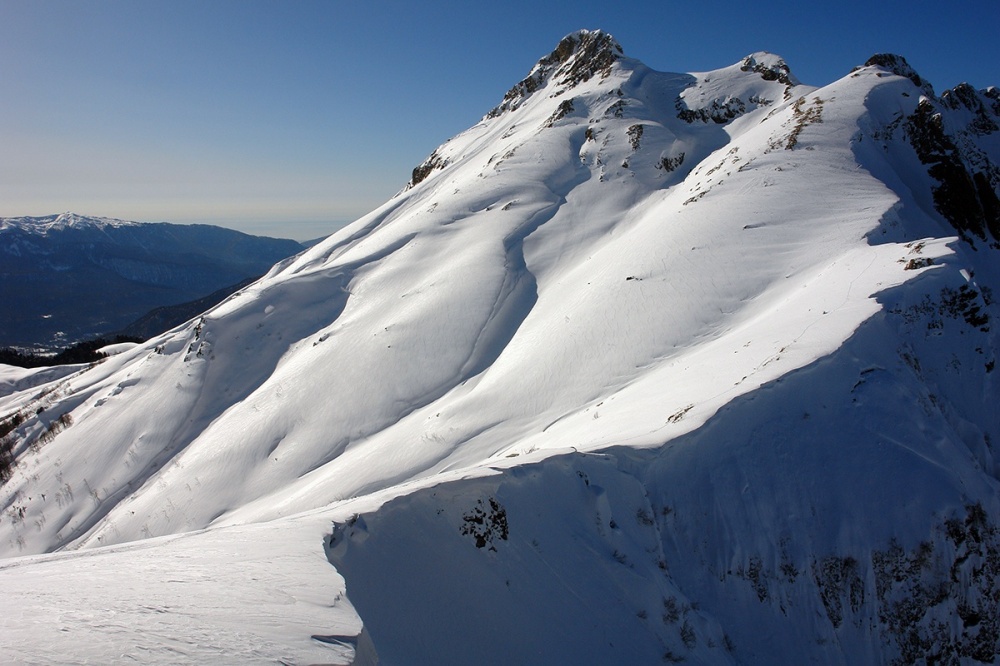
(253, 594)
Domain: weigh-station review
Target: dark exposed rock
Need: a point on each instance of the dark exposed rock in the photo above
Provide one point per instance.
(725, 109)
(617, 109)
(486, 524)
(595, 53)
(966, 304)
(669, 164)
(778, 71)
(719, 111)
(937, 601)
(965, 97)
(840, 586)
(425, 169)
(635, 136)
(897, 65)
(576, 59)
(967, 200)
(955, 575)
(565, 108)
(992, 94)
(804, 116)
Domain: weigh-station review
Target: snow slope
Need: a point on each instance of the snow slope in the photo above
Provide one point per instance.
(171, 600)
(641, 367)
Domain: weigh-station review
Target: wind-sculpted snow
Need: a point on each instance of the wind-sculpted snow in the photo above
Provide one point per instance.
(640, 366)
(246, 596)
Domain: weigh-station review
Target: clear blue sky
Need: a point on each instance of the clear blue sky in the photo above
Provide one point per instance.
(290, 117)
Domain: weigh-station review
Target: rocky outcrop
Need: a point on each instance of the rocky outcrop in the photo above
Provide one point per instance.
(769, 69)
(896, 64)
(984, 110)
(426, 168)
(577, 58)
(964, 195)
(726, 107)
(719, 111)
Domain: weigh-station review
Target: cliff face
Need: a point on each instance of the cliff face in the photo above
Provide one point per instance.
(956, 137)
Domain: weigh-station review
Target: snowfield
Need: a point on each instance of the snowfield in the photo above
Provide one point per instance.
(642, 368)
(243, 595)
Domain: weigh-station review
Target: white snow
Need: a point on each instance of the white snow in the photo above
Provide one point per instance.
(553, 303)
(252, 594)
(14, 379)
(116, 348)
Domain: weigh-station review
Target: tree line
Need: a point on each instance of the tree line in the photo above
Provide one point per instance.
(81, 352)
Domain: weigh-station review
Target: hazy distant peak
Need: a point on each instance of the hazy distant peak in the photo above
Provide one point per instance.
(70, 219)
(46, 223)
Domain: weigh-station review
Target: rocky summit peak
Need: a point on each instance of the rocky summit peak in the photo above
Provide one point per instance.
(582, 54)
(770, 67)
(897, 65)
(578, 57)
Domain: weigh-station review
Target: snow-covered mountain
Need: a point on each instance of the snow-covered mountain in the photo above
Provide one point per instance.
(67, 277)
(641, 368)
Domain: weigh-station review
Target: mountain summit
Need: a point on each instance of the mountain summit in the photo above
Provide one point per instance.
(577, 58)
(643, 367)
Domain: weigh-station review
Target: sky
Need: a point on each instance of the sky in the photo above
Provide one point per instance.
(292, 118)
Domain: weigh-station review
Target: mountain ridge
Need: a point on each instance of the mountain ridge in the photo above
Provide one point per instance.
(651, 367)
(58, 270)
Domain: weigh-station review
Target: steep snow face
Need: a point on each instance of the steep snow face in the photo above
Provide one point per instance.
(691, 338)
(592, 266)
(846, 510)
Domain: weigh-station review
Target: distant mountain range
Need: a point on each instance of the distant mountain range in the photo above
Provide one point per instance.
(64, 278)
(642, 368)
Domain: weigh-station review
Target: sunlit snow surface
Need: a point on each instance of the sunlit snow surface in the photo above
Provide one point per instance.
(250, 594)
(560, 289)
